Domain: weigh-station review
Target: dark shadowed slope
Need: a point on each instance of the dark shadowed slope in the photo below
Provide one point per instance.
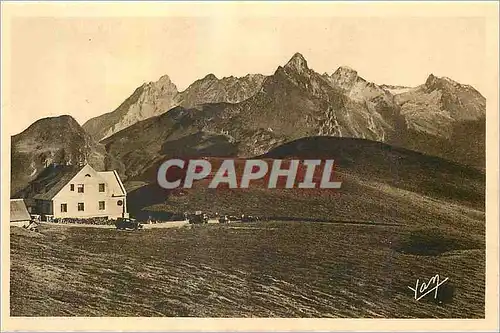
(177, 132)
(398, 167)
(380, 183)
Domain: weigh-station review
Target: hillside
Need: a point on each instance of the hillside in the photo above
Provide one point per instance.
(59, 140)
(267, 269)
(144, 145)
(381, 183)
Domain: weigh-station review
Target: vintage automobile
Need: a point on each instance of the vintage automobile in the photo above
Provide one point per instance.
(224, 219)
(125, 223)
(249, 218)
(198, 218)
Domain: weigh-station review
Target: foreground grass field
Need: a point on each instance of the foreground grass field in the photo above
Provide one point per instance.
(265, 269)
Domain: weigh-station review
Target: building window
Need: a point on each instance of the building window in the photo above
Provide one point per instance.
(72, 187)
(81, 207)
(119, 202)
(102, 187)
(64, 208)
(80, 188)
(102, 205)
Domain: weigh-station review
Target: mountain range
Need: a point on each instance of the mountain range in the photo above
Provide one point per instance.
(251, 115)
(155, 98)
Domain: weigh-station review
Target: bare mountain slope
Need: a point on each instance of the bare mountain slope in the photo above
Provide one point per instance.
(435, 106)
(228, 89)
(154, 98)
(150, 99)
(59, 140)
(445, 118)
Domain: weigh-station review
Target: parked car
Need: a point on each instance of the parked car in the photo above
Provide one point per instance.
(125, 223)
(233, 218)
(224, 219)
(249, 218)
(198, 218)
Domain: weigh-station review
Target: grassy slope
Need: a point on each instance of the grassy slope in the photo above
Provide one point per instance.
(268, 269)
(370, 201)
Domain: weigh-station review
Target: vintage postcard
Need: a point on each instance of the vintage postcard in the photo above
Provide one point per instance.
(249, 166)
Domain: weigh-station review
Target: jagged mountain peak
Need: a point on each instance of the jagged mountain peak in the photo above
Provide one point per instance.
(62, 122)
(164, 78)
(434, 81)
(163, 83)
(253, 76)
(211, 89)
(298, 63)
(440, 107)
(207, 78)
(344, 77)
(345, 73)
(446, 84)
(345, 70)
(210, 77)
(297, 56)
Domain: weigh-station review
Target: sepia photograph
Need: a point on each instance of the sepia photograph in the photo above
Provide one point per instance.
(249, 160)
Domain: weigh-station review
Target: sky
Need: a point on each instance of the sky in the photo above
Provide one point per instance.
(87, 66)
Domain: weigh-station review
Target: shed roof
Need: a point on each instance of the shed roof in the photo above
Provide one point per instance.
(18, 211)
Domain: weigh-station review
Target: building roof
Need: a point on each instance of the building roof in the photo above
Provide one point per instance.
(52, 180)
(18, 211)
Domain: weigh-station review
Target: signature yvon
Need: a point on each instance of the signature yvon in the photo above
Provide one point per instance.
(423, 289)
